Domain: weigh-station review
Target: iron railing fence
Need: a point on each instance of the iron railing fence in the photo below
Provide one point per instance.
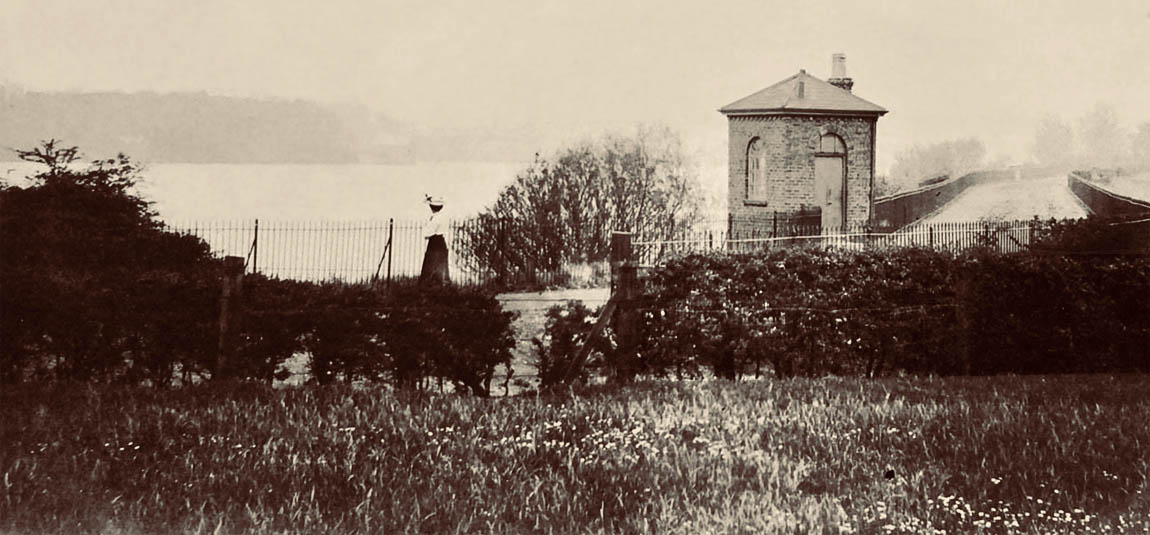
(390, 250)
(500, 253)
(746, 237)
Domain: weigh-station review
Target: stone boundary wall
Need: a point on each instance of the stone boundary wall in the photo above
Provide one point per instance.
(1104, 203)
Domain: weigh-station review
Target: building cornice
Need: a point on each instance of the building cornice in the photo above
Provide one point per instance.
(802, 113)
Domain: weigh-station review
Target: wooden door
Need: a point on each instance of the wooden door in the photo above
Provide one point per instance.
(829, 179)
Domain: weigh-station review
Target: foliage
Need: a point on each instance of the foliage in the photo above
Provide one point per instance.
(918, 163)
(564, 334)
(1010, 454)
(1140, 145)
(815, 312)
(1095, 139)
(345, 333)
(562, 210)
(407, 336)
(274, 326)
(1054, 143)
(93, 288)
(1101, 138)
(1088, 236)
(447, 332)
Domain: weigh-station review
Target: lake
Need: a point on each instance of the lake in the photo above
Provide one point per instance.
(184, 193)
(187, 193)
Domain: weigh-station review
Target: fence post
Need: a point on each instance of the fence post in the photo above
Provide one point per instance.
(930, 229)
(231, 290)
(620, 255)
(624, 291)
(390, 248)
(256, 248)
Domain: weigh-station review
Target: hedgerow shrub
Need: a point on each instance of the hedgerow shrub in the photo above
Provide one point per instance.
(814, 312)
(91, 286)
(93, 289)
(446, 332)
(406, 336)
(274, 324)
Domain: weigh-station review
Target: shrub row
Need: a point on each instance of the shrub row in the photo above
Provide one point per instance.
(813, 312)
(93, 289)
(405, 336)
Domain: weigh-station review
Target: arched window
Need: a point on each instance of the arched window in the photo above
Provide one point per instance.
(831, 144)
(756, 178)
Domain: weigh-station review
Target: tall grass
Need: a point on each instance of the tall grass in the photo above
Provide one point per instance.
(993, 455)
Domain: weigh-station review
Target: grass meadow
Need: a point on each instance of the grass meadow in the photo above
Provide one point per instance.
(1058, 454)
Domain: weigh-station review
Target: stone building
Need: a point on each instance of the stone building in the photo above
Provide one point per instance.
(802, 150)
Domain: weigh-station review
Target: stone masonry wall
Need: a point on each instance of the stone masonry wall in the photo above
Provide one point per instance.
(791, 143)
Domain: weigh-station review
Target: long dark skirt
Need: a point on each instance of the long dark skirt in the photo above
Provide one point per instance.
(435, 262)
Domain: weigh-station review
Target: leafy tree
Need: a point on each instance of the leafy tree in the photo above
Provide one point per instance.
(92, 287)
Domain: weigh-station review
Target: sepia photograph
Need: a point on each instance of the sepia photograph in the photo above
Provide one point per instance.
(574, 267)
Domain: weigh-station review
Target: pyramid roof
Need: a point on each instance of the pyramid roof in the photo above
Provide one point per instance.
(818, 96)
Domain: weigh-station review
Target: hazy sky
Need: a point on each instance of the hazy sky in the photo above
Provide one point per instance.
(565, 69)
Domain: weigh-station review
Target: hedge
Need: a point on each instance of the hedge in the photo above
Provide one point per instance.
(404, 336)
(816, 312)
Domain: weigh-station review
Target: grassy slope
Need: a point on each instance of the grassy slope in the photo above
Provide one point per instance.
(1055, 454)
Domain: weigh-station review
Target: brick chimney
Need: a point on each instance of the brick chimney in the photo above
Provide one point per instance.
(839, 72)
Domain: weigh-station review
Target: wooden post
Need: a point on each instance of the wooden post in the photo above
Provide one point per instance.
(626, 322)
(624, 291)
(390, 248)
(232, 288)
(256, 248)
(620, 255)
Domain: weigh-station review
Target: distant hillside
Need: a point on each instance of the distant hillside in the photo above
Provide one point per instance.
(197, 128)
(204, 128)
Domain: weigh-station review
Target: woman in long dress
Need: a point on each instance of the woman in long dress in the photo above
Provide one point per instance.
(434, 269)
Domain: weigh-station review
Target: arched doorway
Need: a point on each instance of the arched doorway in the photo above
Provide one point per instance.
(830, 180)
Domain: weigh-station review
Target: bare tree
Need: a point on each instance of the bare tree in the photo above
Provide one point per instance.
(1140, 145)
(562, 209)
(1103, 142)
(1054, 143)
(919, 163)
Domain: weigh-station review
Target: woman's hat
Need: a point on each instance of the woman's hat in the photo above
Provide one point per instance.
(435, 200)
